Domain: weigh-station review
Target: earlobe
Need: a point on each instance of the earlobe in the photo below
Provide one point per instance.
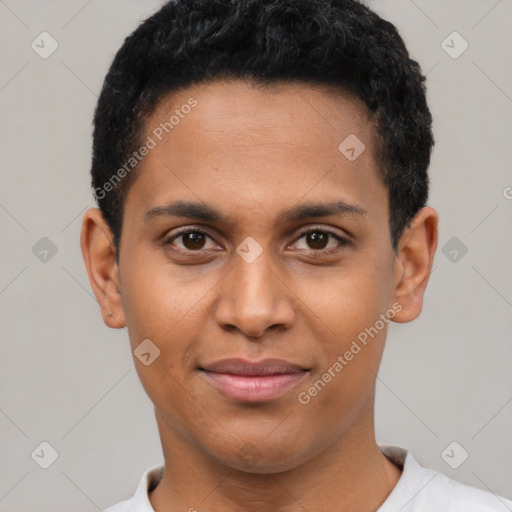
(99, 256)
(413, 263)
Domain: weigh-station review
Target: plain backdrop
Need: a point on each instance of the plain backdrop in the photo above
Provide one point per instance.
(67, 380)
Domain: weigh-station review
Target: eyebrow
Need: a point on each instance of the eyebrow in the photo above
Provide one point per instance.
(207, 213)
(309, 210)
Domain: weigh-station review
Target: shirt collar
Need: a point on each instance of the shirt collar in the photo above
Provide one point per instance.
(149, 480)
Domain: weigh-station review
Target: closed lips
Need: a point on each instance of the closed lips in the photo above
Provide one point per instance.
(257, 369)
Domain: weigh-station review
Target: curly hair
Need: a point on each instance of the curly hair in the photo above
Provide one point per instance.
(340, 43)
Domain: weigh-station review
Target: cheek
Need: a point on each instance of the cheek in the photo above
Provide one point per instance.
(343, 383)
(351, 299)
(158, 308)
(347, 315)
(158, 302)
(160, 305)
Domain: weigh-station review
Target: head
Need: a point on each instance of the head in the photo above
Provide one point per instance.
(291, 142)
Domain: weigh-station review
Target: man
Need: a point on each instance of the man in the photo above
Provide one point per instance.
(261, 173)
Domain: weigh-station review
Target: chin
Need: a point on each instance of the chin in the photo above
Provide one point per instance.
(263, 457)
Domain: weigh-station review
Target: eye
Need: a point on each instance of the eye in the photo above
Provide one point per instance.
(192, 239)
(319, 239)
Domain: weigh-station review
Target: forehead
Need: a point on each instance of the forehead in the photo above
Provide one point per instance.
(309, 117)
(229, 143)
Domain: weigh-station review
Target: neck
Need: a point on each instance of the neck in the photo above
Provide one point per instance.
(351, 475)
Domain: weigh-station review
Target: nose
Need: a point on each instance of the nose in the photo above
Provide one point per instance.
(253, 298)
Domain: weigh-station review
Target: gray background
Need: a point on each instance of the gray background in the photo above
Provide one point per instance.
(68, 380)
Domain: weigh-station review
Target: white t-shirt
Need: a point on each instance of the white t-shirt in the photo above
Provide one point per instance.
(418, 490)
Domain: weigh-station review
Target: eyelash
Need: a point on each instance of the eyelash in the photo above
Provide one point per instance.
(343, 242)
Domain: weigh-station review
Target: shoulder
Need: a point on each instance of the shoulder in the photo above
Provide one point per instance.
(420, 489)
(123, 506)
(464, 498)
(139, 502)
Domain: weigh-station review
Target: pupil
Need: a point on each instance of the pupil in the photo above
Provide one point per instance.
(194, 240)
(317, 240)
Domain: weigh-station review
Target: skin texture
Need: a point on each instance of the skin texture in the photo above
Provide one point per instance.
(253, 153)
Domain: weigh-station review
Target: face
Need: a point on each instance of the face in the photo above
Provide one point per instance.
(256, 257)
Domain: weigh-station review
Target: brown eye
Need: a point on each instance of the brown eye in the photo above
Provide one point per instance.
(193, 240)
(321, 241)
(317, 239)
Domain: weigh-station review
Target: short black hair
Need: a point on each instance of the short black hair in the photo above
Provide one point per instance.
(340, 43)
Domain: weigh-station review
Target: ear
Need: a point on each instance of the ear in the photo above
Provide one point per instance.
(413, 263)
(98, 252)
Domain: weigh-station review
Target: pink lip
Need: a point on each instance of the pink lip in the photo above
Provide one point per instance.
(246, 381)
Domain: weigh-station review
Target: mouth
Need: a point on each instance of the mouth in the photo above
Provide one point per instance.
(246, 381)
